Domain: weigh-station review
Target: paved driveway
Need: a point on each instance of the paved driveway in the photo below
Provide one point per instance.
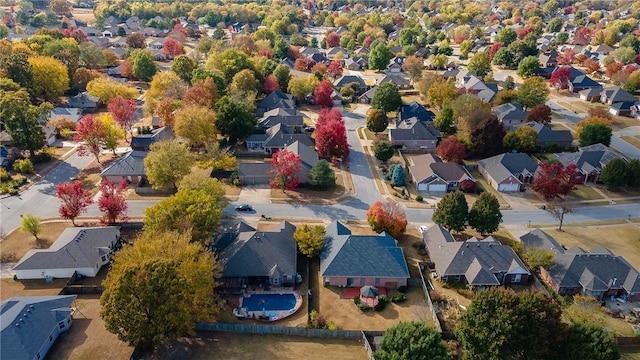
(255, 194)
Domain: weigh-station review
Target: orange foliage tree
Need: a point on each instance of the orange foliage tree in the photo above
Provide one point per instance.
(387, 216)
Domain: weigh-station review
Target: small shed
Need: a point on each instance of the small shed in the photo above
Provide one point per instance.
(369, 295)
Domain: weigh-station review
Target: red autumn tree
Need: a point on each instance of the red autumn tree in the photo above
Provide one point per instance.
(560, 78)
(126, 69)
(171, 48)
(285, 166)
(451, 150)
(328, 115)
(265, 53)
(301, 65)
(77, 34)
(567, 57)
(540, 113)
(331, 140)
(367, 41)
(335, 70)
(613, 68)
(320, 68)
(112, 201)
(553, 181)
(122, 111)
(332, 40)
(322, 94)
(197, 95)
(582, 36)
(74, 198)
(293, 52)
(92, 133)
(387, 216)
(270, 84)
(494, 49)
(592, 66)
(524, 31)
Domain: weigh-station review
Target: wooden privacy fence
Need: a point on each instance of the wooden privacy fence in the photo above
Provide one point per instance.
(429, 303)
(280, 330)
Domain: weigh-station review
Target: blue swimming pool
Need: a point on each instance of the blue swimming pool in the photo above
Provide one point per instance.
(257, 302)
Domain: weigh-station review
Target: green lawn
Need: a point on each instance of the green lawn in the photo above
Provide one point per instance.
(372, 136)
(584, 192)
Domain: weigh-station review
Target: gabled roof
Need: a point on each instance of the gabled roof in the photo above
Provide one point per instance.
(75, 248)
(287, 117)
(144, 141)
(589, 158)
(308, 157)
(260, 253)
(27, 321)
(361, 255)
(130, 164)
(348, 79)
(547, 134)
(598, 270)
(617, 94)
(412, 129)
(417, 110)
(428, 166)
(540, 239)
(479, 261)
(279, 136)
(395, 79)
(585, 81)
(277, 99)
(510, 111)
(369, 93)
(502, 166)
(84, 100)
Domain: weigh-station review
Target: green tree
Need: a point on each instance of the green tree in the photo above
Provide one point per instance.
(195, 209)
(633, 170)
(31, 224)
(595, 133)
(282, 73)
(527, 139)
(386, 98)
(444, 120)
(310, 239)
(465, 48)
(441, 93)
(504, 57)
(590, 342)
(398, 178)
(379, 57)
(412, 340)
(20, 119)
(562, 37)
(167, 163)
(506, 36)
(615, 173)
(66, 50)
(158, 288)
(383, 150)
(184, 66)
(280, 49)
(229, 63)
(501, 324)
(537, 258)
(236, 119)
(532, 92)
(321, 175)
(452, 211)
(554, 25)
(377, 120)
(244, 84)
(17, 68)
(480, 64)
(585, 310)
(529, 66)
(485, 216)
(143, 64)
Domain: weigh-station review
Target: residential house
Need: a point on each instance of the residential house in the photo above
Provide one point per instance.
(275, 139)
(255, 172)
(511, 115)
(30, 325)
(450, 73)
(621, 108)
(291, 118)
(352, 65)
(508, 172)
(548, 60)
(251, 257)
(367, 96)
(635, 111)
(85, 101)
(348, 260)
(590, 160)
(400, 81)
(129, 166)
(417, 110)
(475, 85)
(345, 80)
(590, 94)
(90, 31)
(598, 273)
(583, 82)
(573, 72)
(5, 138)
(362, 51)
(308, 158)
(276, 99)
(144, 141)
(335, 51)
(50, 134)
(81, 250)
(412, 134)
(73, 114)
(602, 49)
(550, 138)
(478, 264)
(317, 58)
(395, 64)
(430, 174)
(616, 94)
(155, 43)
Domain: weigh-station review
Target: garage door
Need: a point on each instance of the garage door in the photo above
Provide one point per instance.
(508, 187)
(422, 187)
(438, 188)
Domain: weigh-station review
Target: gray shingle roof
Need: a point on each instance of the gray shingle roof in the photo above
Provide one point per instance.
(75, 248)
(348, 79)
(361, 255)
(144, 141)
(500, 167)
(547, 134)
(43, 313)
(287, 117)
(589, 158)
(510, 111)
(308, 156)
(130, 164)
(428, 165)
(412, 129)
(414, 109)
(539, 239)
(477, 260)
(260, 253)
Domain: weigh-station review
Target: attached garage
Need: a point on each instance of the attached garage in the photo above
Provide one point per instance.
(437, 188)
(508, 187)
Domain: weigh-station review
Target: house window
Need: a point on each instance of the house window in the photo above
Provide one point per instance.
(377, 281)
(361, 281)
(104, 257)
(61, 325)
(457, 278)
(517, 278)
(50, 337)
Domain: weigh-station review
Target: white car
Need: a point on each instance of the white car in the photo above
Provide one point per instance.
(423, 229)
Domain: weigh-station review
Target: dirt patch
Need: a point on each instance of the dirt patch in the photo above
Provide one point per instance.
(16, 244)
(88, 338)
(90, 176)
(10, 288)
(302, 195)
(231, 346)
(623, 240)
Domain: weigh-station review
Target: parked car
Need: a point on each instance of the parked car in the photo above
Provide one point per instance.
(244, 207)
(423, 229)
(309, 129)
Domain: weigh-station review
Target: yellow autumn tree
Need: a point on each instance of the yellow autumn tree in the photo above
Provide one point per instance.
(107, 89)
(114, 133)
(50, 77)
(196, 124)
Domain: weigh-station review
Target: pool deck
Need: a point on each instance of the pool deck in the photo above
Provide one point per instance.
(279, 314)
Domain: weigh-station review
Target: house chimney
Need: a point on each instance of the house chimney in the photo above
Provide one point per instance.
(614, 280)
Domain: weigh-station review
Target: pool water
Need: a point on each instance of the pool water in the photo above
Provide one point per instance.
(257, 302)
